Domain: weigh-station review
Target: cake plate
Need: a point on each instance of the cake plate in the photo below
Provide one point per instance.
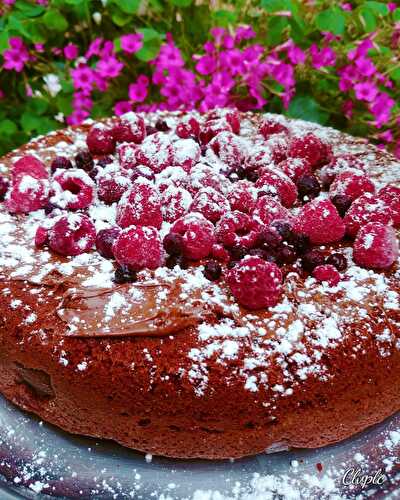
(40, 461)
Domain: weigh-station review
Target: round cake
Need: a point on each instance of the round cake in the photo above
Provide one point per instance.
(201, 286)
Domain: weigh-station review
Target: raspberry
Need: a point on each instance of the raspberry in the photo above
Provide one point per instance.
(391, 196)
(351, 183)
(129, 128)
(139, 248)
(74, 189)
(286, 255)
(72, 234)
(278, 145)
(342, 203)
(269, 209)
(84, 160)
(60, 162)
(4, 185)
(366, 208)
(210, 203)
(258, 160)
(173, 243)
(186, 153)
(275, 183)
(141, 172)
(327, 273)
(321, 222)
(212, 270)
(27, 194)
(111, 186)
(339, 164)
(337, 260)
(233, 119)
(124, 274)
(255, 283)
(312, 259)
(100, 140)
(269, 127)
(128, 155)
(198, 235)
(311, 148)
(229, 148)
(41, 236)
(211, 128)
(376, 246)
(294, 168)
(308, 187)
(237, 228)
(188, 127)
(104, 241)
(171, 177)
(242, 196)
(156, 152)
(140, 206)
(202, 176)
(218, 252)
(175, 202)
(28, 165)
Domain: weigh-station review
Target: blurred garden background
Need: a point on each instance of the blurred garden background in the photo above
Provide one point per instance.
(62, 61)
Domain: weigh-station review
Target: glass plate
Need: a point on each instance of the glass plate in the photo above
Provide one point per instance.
(39, 460)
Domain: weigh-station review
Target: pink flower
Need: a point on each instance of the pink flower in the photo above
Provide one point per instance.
(244, 33)
(138, 91)
(83, 77)
(9, 2)
(365, 66)
(122, 107)
(15, 57)
(391, 6)
(39, 47)
(109, 67)
(365, 91)
(386, 136)
(217, 33)
(94, 48)
(77, 117)
(131, 43)
(347, 7)
(295, 54)
(71, 51)
(381, 108)
(206, 65)
(322, 57)
(2, 94)
(347, 109)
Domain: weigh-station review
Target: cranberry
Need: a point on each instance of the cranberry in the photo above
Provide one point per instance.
(173, 243)
(84, 160)
(308, 187)
(312, 259)
(342, 202)
(337, 260)
(104, 241)
(124, 274)
(60, 162)
(212, 270)
(4, 185)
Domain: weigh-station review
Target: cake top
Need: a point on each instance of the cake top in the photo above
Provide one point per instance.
(266, 238)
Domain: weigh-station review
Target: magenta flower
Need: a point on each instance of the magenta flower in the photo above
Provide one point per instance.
(365, 91)
(39, 47)
(295, 54)
(77, 117)
(15, 57)
(381, 108)
(109, 67)
(122, 107)
(244, 33)
(83, 77)
(347, 7)
(322, 57)
(9, 2)
(94, 48)
(71, 51)
(138, 90)
(206, 65)
(347, 109)
(131, 43)
(365, 66)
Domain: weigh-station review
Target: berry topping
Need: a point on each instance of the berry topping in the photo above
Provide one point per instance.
(211, 128)
(342, 203)
(300, 242)
(269, 237)
(337, 260)
(173, 243)
(268, 209)
(308, 187)
(84, 160)
(140, 206)
(312, 259)
(351, 183)
(129, 128)
(60, 162)
(337, 165)
(311, 148)
(27, 194)
(124, 274)
(212, 270)
(229, 148)
(73, 189)
(4, 185)
(41, 236)
(270, 127)
(139, 248)
(376, 246)
(321, 222)
(295, 168)
(198, 235)
(210, 203)
(186, 153)
(255, 283)
(366, 208)
(128, 155)
(233, 120)
(391, 196)
(275, 183)
(188, 128)
(220, 253)
(202, 176)
(327, 273)
(100, 140)
(30, 166)
(111, 186)
(156, 152)
(72, 234)
(286, 255)
(242, 196)
(175, 202)
(237, 228)
(104, 241)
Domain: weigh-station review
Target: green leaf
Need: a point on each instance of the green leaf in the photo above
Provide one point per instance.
(224, 18)
(119, 18)
(64, 104)
(150, 34)
(54, 20)
(272, 6)
(276, 27)
(332, 20)
(4, 36)
(395, 74)
(149, 51)
(368, 19)
(128, 6)
(37, 106)
(379, 8)
(8, 127)
(307, 108)
(396, 14)
(29, 9)
(181, 3)
(30, 122)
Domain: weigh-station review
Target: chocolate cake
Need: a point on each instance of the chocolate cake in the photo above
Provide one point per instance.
(208, 286)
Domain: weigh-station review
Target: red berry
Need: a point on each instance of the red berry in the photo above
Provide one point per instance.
(129, 128)
(212, 270)
(312, 259)
(60, 162)
(72, 234)
(342, 203)
(188, 127)
(308, 187)
(351, 183)
(156, 152)
(321, 222)
(242, 196)
(210, 203)
(27, 194)
(41, 236)
(84, 161)
(139, 248)
(186, 153)
(275, 183)
(294, 168)
(104, 241)
(339, 164)
(278, 145)
(211, 128)
(327, 273)
(198, 235)
(376, 246)
(111, 186)
(100, 140)
(390, 194)
(337, 260)
(218, 252)
(269, 127)
(366, 208)
(28, 165)
(173, 243)
(74, 189)
(175, 202)
(229, 148)
(237, 229)
(255, 283)
(311, 148)
(128, 155)
(4, 185)
(202, 176)
(269, 209)
(140, 206)
(233, 119)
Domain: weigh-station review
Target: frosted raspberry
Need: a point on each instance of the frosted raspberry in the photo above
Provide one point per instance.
(156, 151)
(376, 246)
(242, 196)
(233, 119)
(352, 183)
(275, 183)
(188, 127)
(111, 186)
(312, 149)
(100, 140)
(269, 209)
(366, 208)
(255, 283)
(198, 235)
(327, 273)
(237, 229)
(295, 168)
(269, 127)
(139, 248)
(220, 253)
(41, 236)
(186, 153)
(230, 148)
(321, 222)
(73, 189)
(28, 165)
(129, 128)
(105, 239)
(140, 206)
(141, 171)
(175, 202)
(72, 234)
(211, 128)
(390, 194)
(210, 203)
(256, 161)
(171, 177)
(128, 155)
(27, 194)
(204, 176)
(339, 164)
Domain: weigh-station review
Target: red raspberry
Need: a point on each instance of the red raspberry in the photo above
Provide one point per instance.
(278, 144)
(140, 206)
(186, 153)
(295, 168)
(233, 119)
(376, 246)
(128, 156)
(275, 183)
(366, 208)
(175, 202)
(327, 273)
(156, 152)
(171, 177)
(198, 235)
(210, 203)
(139, 248)
(204, 176)
(229, 148)
(268, 209)
(73, 188)
(220, 253)
(242, 196)
(100, 140)
(72, 234)
(211, 128)
(28, 165)
(41, 236)
(27, 194)
(390, 194)
(105, 239)
(311, 148)
(269, 127)
(339, 164)
(111, 186)
(141, 171)
(237, 229)
(255, 283)
(129, 128)
(188, 127)
(258, 159)
(352, 183)
(321, 222)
